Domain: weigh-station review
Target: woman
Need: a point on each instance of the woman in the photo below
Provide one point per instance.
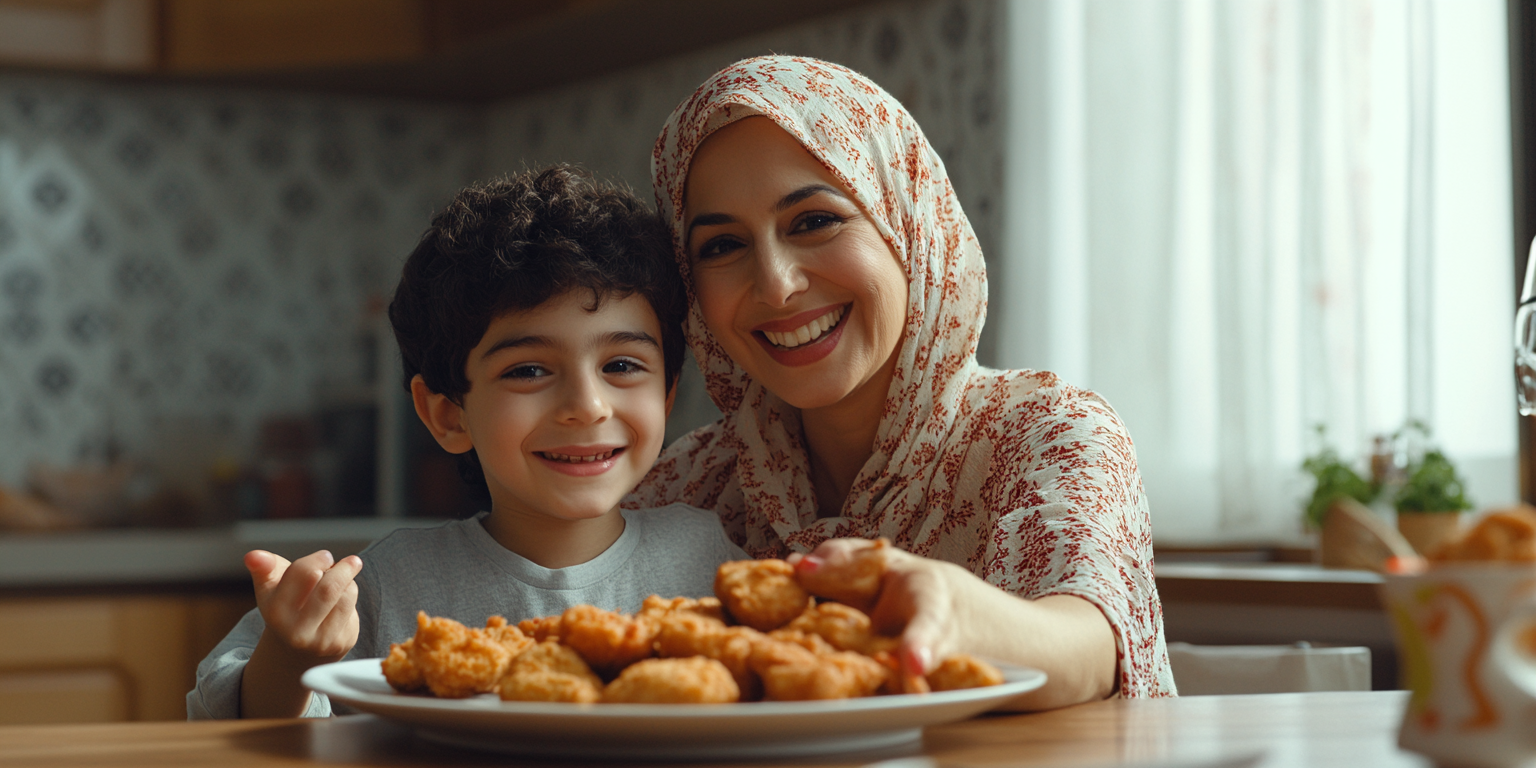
(837, 296)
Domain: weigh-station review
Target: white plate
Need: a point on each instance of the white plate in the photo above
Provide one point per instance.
(663, 731)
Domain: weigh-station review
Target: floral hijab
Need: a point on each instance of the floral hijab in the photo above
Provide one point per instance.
(1028, 482)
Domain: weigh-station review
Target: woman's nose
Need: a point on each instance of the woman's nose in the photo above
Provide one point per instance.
(585, 402)
(780, 276)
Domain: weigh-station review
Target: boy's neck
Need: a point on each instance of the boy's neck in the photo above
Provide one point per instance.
(551, 542)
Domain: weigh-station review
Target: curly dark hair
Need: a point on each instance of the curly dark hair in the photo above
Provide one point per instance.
(514, 243)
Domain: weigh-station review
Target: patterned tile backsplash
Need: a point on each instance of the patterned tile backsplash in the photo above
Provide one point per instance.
(172, 256)
(180, 261)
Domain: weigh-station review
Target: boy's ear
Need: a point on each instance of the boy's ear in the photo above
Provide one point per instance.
(672, 396)
(443, 417)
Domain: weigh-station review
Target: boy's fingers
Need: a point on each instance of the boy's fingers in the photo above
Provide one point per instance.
(328, 592)
(266, 570)
(300, 578)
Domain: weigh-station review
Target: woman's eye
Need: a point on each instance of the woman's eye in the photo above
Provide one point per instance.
(717, 247)
(816, 220)
(525, 372)
(623, 366)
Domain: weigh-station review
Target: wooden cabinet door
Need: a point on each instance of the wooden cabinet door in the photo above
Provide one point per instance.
(99, 659)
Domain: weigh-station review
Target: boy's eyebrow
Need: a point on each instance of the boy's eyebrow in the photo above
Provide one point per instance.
(809, 190)
(631, 337)
(614, 337)
(512, 342)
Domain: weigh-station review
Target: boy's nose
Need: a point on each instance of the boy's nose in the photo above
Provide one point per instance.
(584, 402)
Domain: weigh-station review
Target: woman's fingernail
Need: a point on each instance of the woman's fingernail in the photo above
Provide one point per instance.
(808, 564)
(329, 558)
(918, 660)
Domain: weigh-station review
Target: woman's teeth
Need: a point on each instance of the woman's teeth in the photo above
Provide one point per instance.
(578, 459)
(807, 333)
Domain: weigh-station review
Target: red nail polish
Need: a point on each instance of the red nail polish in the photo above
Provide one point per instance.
(808, 564)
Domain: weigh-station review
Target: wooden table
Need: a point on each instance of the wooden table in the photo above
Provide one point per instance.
(1315, 730)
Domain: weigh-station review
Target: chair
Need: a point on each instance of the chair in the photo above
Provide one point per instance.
(1205, 670)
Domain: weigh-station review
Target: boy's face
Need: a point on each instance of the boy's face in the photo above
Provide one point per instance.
(567, 408)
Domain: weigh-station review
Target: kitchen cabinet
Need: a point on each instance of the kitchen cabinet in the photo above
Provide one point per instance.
(443, 50)
(112, 656)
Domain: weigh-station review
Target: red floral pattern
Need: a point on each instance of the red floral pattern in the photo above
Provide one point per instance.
(1027, 481)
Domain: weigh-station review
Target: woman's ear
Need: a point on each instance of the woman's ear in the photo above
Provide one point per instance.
(672, 394)
(443, 417)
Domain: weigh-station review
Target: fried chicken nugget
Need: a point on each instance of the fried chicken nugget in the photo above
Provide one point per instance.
(761, 594)
(550, 671)
(791, 673)
(608, 641)
(541, 629)
(657, 606)
(1503, 535)
(682, 634)
(964, 671)
(845, 627)
(856, 582)
(497, 628)
(399, 671)
(692, 680)
(456, 661)
(811, 642)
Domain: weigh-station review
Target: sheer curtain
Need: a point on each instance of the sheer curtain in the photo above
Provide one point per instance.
(1236, 219)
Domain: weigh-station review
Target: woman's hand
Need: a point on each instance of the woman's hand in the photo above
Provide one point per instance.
(941, 609)
(309, 608)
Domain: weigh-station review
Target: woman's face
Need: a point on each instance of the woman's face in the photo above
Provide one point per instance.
(792, 277)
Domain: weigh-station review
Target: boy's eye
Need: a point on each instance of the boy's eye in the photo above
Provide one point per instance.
(526, 372)
(623, 366)
(816, 220)
(718, 246)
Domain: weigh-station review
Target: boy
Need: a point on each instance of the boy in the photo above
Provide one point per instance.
(540, 323)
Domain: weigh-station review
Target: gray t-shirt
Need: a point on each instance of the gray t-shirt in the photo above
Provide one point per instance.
(457, 570)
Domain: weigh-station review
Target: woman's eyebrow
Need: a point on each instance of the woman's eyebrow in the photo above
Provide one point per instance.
(809, 190)
(787, 201)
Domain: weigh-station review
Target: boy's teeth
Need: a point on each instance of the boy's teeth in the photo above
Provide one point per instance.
(807, 333)
(579, 459)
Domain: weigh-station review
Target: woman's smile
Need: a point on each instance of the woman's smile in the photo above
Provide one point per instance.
(795, 341)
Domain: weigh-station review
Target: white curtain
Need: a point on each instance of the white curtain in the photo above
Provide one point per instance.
(1236, 219)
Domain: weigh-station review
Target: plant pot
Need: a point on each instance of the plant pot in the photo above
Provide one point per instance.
(1426, 531)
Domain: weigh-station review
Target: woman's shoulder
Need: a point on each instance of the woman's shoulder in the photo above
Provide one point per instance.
(691, 470)
(1020, 398)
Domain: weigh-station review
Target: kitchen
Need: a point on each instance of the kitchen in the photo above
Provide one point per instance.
(206, 206)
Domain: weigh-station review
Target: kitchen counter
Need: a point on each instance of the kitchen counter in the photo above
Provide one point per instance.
(167, 556)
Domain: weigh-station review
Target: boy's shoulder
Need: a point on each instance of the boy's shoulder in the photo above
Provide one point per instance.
(425, 540)
(680, 528)
(676, 514)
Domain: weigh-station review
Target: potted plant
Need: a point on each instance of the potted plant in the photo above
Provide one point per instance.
(1335, 479)
(1433, 496)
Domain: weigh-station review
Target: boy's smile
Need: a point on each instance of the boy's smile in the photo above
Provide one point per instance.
(566, 411)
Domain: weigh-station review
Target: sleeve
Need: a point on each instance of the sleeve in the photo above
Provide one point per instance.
(216, 695)
(1075, 521)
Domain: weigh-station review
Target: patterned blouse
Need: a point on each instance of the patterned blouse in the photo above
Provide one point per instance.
(1027, 481)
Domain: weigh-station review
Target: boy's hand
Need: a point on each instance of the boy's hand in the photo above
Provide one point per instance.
(309, 605)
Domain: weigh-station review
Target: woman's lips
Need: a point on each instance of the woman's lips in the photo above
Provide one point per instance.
(581, 461)
(809, 352)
